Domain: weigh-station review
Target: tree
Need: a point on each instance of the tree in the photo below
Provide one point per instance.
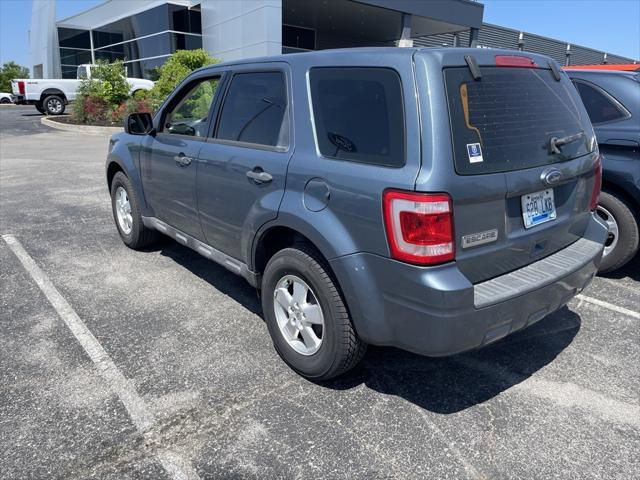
(8, 72)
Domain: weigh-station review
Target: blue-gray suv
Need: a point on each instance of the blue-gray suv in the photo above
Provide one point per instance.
(435, 200)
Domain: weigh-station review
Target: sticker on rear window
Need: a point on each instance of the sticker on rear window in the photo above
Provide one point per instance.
(475, 152)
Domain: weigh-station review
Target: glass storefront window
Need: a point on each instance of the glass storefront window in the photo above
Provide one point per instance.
(145, 68)
(163, 44)
(158, 19)
(69, 71)
(73, 38)
(72, 56)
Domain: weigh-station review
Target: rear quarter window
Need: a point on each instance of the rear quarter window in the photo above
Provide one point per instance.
(358, 114)
(504, 121)
(600, 106)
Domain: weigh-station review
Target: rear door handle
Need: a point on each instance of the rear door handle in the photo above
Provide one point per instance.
(182, 160)
(259, 176)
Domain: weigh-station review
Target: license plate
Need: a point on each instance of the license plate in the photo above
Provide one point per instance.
(538, 207)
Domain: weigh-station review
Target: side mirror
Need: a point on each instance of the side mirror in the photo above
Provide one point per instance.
(139, 124)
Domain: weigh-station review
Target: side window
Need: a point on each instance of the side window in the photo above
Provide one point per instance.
(359, 114)
(254, 110)
(600, 107)
(190, 115)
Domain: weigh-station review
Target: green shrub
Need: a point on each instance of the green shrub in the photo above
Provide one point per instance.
(101, 95)
(174, 70)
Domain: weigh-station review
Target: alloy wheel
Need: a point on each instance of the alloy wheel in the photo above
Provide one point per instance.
(612, 237)
(123, 211)
(299, 315)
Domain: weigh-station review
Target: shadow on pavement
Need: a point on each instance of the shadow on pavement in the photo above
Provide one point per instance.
(441, 385)
(631, 270)
(451, 384)
(219, 277)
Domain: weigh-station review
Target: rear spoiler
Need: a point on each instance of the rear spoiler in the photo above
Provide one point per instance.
(515, 61)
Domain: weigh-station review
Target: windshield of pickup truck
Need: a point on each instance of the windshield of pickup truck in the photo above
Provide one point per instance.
(514, 118)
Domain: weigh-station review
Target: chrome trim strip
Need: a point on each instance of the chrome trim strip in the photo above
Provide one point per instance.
(207, 251)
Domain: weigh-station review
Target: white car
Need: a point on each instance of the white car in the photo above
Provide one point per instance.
(6, 97)
(51, 95)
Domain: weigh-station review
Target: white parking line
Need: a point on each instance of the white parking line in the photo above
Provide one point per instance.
(177, 467)
(609, 306)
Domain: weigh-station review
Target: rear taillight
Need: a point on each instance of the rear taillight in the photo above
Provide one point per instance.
(515, 61)
(21, 88)
(419, 226)
(597, 184)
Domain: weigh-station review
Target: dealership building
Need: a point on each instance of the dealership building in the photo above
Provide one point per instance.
(144, 33)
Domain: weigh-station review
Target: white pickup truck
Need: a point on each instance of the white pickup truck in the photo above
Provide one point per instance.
(51, 96)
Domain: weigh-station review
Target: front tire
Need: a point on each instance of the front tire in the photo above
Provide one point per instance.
(4, 100)
(127, 214)
(54, 105)
(306, 315)
(623, 240)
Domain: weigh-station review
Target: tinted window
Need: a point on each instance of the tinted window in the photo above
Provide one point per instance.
(146, 68)
(73, 38)
(71, 56)
(144, 23)
(184, 19)
(505, 120)
(359, 115)
(254, 110)
(155, 20)
(69, 71)
(298, 37)
(189, 116)
(600, 107)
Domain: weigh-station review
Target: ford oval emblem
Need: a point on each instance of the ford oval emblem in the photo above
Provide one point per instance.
(551, 177)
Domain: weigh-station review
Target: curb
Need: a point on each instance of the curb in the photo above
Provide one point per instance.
(90, 129)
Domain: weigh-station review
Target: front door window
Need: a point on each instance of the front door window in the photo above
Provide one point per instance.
(190, 115)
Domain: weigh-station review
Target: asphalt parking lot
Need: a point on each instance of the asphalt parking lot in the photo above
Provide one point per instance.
(119, 364)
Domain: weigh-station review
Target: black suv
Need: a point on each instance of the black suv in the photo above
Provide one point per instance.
(612, 99)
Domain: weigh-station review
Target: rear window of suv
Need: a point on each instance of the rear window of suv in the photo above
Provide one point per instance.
(505, 120)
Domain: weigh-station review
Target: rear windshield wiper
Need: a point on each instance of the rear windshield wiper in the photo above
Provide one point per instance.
(555, 143)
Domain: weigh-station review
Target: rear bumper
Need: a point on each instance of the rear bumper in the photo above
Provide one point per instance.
(436, 311)
(22, 100)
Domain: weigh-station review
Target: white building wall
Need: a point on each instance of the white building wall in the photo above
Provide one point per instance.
(234, 29)
(43, 40)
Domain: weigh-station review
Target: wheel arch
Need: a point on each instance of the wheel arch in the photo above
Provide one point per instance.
(52, 91)
(616, 190)
(287, 229)
(121, 159)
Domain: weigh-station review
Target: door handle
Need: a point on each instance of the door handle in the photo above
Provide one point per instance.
(259, 176)
(182, 160)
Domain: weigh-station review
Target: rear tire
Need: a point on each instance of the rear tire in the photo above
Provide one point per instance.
(127, 215)
(54, 105)
(5, 100)
(622, 244)
(40, 108)
(339, 348)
